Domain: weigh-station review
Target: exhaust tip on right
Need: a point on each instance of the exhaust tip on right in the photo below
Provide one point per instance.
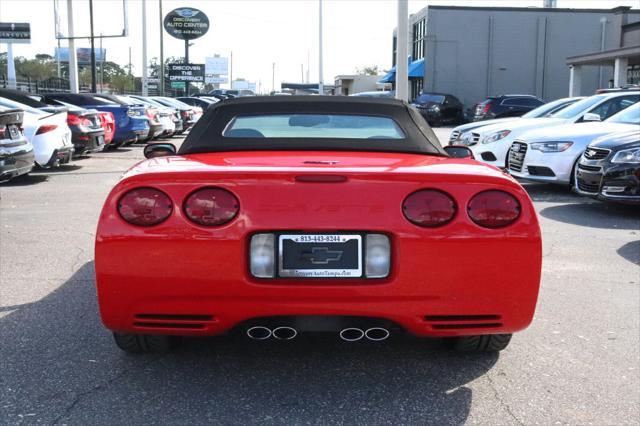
(377, 334)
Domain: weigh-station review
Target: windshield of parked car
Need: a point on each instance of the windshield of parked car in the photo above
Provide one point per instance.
(549, 108)
(579, 107)
(313, 126)
(630, 115)
(426, 98)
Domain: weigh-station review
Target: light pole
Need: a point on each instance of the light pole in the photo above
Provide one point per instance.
(402, 75)
(161, 65)
(320, 78)
(145, 74)
(273, 78)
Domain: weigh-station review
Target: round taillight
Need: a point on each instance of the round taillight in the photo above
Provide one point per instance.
(429, 208)
(211, 206)
(493, 209)
(145, 206)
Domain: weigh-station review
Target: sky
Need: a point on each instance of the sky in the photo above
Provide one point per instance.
(357, 33)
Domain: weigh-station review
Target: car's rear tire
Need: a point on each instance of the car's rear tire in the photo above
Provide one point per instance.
(482, 343)
(144, 343)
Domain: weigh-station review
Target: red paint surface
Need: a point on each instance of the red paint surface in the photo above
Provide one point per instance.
(180, 268)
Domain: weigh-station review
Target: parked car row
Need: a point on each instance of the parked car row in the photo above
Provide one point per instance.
(591, 144)
(49, 130)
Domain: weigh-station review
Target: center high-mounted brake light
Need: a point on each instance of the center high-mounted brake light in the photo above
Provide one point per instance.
(46, 128)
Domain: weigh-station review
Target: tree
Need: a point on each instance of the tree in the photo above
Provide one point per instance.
(368, 70)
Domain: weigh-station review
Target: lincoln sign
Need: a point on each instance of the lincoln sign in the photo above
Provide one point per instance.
(186, 23)
(192, 73)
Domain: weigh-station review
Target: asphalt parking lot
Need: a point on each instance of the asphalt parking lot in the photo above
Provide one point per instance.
(577, 364)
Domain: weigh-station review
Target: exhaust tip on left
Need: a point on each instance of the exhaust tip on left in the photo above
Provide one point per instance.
(259, 332)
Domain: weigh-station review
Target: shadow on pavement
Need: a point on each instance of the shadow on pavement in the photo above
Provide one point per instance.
(30, 179)
(595, 215)
(631, 252)
(60, 366)
(62, 169)
(550, 193)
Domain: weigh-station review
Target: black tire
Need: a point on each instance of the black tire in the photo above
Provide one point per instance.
(144, 343)
(482, 343)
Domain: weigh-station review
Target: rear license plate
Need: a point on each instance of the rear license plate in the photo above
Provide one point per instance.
(320, 256)
(14, 133)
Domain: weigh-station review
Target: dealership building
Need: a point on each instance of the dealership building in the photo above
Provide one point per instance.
(475, 52)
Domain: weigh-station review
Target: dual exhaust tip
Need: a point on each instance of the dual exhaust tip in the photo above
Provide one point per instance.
(375, 334)
(263, 333)
(350, 334)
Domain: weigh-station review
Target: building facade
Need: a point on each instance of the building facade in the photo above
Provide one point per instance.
(624, 58)
(475, 52)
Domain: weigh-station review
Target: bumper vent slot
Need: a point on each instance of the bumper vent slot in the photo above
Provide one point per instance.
(179, 326)
(466, 326)
(174, 317)
(461, 322)
(173, 321)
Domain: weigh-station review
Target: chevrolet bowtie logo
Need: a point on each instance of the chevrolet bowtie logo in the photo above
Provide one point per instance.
(321, 255)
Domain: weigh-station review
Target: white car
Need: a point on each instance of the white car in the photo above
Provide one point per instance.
(462, 135)
(48, 133)
(551, 155)
(493, 142)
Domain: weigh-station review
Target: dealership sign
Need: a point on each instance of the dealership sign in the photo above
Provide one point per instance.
(15, 32)
(186, 23)
(83, 54)
(192, 73)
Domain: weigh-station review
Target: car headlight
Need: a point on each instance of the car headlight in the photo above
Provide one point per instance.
(627, 156)
(550, 146)
(494, 137)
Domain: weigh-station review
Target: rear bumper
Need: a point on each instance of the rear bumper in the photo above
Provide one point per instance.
(210, 278)
(18, 162)
(88, 142)
(60, 156)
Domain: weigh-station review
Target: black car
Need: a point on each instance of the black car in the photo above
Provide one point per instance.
(505, 106)
(609, 169)
(16, 153)
(200, 101)
(439, 108)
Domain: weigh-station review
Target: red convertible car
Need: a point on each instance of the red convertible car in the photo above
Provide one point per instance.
(280, 216)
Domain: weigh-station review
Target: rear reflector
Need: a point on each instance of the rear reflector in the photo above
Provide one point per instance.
(429, 208)
(321, 178)
(211, 206)
(145, 206)
(493, 209)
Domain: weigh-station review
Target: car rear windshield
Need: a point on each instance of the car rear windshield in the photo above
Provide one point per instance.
(430, 98)
(313, 126)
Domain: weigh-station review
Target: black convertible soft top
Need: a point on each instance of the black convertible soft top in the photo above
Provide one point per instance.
(207, 134)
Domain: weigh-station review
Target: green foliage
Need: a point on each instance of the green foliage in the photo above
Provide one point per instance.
(370, 70)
